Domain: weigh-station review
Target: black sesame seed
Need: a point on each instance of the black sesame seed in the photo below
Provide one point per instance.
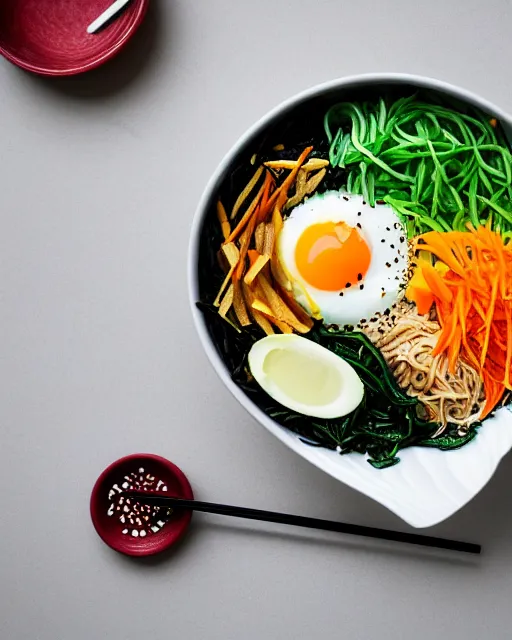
(358, 213)
(397, 278)
(392, 246)
(345, 198)
(396, 260)
(363, 320)
(387, 264)
(388, 229)
(382, 288)
(341, 293)
(361, 286)
(359, 277)
(358, 225)
(387, 312)
(402, 239)
(348, 285)
(393, 318)
(383, 240)
(364, 203)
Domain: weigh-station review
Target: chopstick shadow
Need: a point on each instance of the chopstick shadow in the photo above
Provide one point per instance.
(135, 60)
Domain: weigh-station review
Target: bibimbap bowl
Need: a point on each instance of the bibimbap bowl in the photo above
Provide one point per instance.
(350, 276)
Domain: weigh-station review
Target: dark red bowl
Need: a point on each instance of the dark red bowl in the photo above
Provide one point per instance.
(110, 529)
(49, 37)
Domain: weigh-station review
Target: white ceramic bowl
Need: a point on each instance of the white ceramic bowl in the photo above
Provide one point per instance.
(428, 485)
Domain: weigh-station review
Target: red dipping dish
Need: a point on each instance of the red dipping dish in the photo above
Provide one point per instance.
(118, 535)
(49, 37)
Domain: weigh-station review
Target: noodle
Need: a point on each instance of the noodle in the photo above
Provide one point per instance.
(407, 348)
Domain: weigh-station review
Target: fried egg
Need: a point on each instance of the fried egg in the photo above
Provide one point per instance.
(346, 261)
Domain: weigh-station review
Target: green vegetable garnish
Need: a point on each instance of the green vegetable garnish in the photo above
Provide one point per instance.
(439, 169)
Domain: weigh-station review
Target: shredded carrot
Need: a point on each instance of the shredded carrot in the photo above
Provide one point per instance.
(268, 184)
(282, 192)
(436, 283)
(473, 300)
(248, 215)
(245, 245)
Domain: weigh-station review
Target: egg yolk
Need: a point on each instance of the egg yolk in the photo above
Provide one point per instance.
(332, 255)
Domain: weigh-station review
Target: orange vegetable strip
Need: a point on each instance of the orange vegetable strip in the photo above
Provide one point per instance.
(488, 322)
(253, 256)
(436, 244)
(436, 283)
(246, 217)
(245, 246)
(446, 337)
(269, 182)
(479, 309)
(454, 351)
(508, 358)
(283, 189)
(497, 339)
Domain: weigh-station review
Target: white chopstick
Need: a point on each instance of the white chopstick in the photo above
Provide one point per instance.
(107, 15)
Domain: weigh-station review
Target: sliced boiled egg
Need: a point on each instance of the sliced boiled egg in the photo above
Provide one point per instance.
(305, 377)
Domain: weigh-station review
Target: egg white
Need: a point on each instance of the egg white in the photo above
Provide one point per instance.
(386, 237)
(305, 377)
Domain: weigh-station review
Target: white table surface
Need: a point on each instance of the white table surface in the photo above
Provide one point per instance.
(100, 176)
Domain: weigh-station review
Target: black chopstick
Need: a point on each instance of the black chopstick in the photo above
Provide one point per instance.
(160, 499)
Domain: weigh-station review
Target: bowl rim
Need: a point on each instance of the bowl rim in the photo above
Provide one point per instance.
(352, 81)
(141, 7)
